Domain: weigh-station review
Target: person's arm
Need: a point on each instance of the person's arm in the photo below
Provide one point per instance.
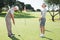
(40, 16)
(12, 16)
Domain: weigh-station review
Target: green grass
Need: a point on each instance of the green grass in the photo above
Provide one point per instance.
(28, 28)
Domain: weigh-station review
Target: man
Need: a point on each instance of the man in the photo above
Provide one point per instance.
(9, 16)
(43, 20)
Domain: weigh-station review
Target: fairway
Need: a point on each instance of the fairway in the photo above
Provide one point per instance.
(28, 28)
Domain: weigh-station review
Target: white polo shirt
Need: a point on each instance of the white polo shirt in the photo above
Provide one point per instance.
(10, 11)
(43, 12)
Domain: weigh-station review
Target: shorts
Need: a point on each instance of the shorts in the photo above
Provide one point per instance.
(43, 20)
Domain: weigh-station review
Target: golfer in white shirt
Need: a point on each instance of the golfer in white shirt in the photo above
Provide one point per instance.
(9, 16)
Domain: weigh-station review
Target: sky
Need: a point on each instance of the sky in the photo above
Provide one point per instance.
(36, 4)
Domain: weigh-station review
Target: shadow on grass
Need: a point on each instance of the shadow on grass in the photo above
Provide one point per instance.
(48, 31)
(48, 38)
(14, 38)
(19, 15)
(21, 37)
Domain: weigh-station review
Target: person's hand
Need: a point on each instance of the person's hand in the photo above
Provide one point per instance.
(13, 22)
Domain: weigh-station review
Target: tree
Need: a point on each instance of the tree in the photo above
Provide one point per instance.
(11, 2)
(53, 2)
(20, 5)
(38, 10)
(6, 2)
(2, 4)
(29, 7)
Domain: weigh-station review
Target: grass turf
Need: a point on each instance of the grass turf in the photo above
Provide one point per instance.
(28, 28)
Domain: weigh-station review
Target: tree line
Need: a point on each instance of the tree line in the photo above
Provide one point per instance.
(21, 5)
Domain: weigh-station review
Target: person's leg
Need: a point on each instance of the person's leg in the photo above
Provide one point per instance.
(8, 28)
(8, 24)
(42, 28)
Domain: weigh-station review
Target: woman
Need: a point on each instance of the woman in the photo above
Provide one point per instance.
(43, 19)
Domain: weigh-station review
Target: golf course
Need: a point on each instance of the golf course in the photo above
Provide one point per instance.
(27, 27)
